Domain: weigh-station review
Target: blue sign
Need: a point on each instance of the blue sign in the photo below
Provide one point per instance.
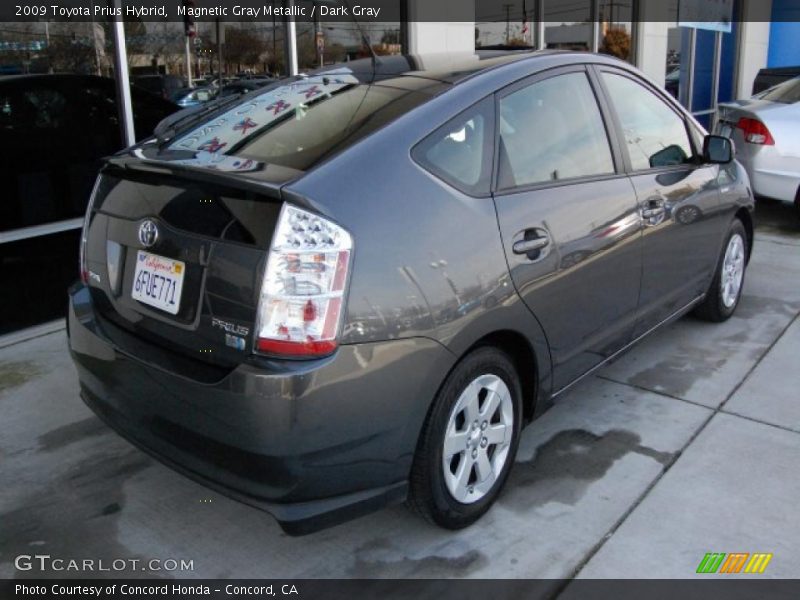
(711, 15)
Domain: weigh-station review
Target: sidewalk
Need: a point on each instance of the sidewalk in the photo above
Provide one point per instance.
(688, 444)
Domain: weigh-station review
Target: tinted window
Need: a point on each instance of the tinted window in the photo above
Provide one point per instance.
(51, 108)
(552, 130)
(656, 135)
(460, 151)
(37, 108)
(99, 104)
(15, 110)
(148, 110)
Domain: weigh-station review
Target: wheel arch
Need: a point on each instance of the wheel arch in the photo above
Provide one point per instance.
(522, 354)
(747, 220)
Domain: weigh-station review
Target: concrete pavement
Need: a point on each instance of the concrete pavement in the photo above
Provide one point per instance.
(688, 444)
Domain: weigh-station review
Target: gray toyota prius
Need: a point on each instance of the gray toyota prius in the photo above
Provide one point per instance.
(354, 287)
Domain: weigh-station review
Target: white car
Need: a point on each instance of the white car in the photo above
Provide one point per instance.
(766, 131)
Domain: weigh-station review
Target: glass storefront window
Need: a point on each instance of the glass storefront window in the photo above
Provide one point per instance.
(65, 101)
(58, 118)
(673, 58)
(343, 42)
(568, 25)
(616, 30)
(504, 23)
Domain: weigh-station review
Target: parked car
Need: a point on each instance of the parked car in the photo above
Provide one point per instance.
(356, 287)
(54, 131)
(187, 97)
(164, 86)
(672, 82)
(244, 86)
(768, 78)
(766, 131)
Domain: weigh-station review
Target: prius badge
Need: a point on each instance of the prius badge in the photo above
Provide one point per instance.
(234, 341)
(148, 233)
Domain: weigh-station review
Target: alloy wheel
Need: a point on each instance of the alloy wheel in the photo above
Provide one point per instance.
(732, 270)
(478, 438)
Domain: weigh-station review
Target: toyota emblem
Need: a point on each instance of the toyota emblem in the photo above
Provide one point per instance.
(148, 233)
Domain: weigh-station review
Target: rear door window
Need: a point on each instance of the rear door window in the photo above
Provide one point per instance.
(552, 130)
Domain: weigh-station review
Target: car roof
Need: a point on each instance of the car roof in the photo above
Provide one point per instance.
(451, 67)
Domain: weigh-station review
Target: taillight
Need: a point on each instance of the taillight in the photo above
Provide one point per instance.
(82, 266)
(302, 295)
(755, 132)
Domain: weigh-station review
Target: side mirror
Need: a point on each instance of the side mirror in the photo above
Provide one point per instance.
(717, 150)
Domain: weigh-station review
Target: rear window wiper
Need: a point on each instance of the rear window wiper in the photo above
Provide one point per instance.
(169, 127)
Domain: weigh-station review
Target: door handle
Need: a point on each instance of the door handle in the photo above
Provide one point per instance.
(525, 246)
(535, 241)
(654, 210)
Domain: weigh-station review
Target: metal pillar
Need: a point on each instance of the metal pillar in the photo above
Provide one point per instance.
(688, 95)
(715, 76)
(219, 51)
(594, 44)
(125, 106)
(290, 40)
(189, 61)
(319, 40)
(540, 24)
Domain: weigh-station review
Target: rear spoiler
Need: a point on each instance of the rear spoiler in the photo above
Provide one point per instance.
(268, 181)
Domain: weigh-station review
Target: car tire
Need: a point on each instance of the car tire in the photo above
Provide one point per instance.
(479, 408)
(725, 291)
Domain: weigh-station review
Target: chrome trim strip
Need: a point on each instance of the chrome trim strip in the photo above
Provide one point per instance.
(26, 233)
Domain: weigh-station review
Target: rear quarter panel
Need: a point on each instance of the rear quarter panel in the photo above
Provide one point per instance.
(428, 261)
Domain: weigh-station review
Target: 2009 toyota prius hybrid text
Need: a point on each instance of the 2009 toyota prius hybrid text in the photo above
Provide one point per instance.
(355, 287)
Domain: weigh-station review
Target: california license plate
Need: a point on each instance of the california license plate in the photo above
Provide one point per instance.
(158, 281)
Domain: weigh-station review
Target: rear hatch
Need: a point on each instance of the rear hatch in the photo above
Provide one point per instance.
(181, 225)
(176, 262)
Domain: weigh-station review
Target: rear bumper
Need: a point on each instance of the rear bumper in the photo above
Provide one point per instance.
(771, 175)
(313, 443)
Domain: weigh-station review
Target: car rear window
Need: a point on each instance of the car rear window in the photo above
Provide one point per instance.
(299, 123)
(787, 92)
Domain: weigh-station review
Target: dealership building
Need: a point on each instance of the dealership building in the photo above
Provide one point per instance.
(704, 52)
(760, 34)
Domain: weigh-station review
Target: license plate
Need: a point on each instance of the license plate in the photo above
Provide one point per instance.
(725, 130)
(158, 281)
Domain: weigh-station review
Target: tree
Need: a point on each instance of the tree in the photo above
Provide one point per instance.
(243, 48)
(617, 42)
(135, 35)
(71, 50)
(165, 45)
